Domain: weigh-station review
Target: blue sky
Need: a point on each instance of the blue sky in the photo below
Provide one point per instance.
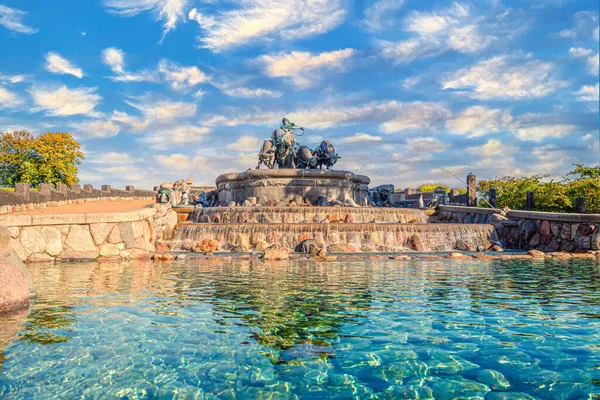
(158, 90)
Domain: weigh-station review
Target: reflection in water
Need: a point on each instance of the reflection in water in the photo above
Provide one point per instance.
(335, 330)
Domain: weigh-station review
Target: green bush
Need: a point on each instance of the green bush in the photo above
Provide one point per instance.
(429, 187)
(553, 196)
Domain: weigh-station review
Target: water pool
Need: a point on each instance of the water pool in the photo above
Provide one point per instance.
(392, 329)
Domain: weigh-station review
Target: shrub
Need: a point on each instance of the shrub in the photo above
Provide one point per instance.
(553, 196)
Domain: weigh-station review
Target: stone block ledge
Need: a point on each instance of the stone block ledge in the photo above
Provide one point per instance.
(562, 217)
(17, 220)
(470, 210)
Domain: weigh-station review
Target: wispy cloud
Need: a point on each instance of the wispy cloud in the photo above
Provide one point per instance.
(590, 57)
(505, 77)
(585, 25)
(168, 11)
(12, 19)
(174, 137)
(437, 32)
(9, 99)
(57, 64)
(115, 59)
(379, 14)
(245, 143)
(589, 93)
(360, 138)
(181, 78)
(95, 129)
(303, 69)
(478, 121)
(63, 101)
(261, 20)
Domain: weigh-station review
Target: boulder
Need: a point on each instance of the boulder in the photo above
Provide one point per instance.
(342, 248)
(100, 232)
(497, 248)
(232, 204)
(462, 245)
(568, 246)
(595, 244)
(416, 243)
(17, 287)
(80, 239)
(309, 246)
(565, 232)
(554, 245)
(207, 245)
(536, 254)
(276, 254)
(53, 238)
(138, 228)
(545, 229)
(535, 240)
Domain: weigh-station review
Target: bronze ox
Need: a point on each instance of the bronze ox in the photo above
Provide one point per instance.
(326, 155)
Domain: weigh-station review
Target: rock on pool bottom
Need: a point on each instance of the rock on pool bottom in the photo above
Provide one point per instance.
(491, 329)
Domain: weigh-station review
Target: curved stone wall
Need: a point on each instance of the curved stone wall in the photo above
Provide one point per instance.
(76, 237)
(284, 184)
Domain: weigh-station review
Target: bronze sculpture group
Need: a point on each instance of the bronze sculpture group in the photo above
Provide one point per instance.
(282, 151)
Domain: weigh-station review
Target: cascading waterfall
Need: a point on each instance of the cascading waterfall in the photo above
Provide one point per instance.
(366, 237)
(295, 215)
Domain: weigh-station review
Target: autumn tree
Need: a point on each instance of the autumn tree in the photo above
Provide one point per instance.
(50, 158)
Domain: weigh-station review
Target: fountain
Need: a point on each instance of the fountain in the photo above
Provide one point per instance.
(299, 197)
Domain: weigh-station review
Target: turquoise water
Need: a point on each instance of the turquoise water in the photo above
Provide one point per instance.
(343, 330)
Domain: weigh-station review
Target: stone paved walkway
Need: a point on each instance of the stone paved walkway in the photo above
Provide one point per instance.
(93, 207)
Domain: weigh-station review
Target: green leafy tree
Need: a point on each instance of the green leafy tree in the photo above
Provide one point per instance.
(50, 158)
(554, 196)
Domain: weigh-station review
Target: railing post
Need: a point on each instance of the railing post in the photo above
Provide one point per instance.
(580, 205)
(529, 201)
(493, 197)
(471, 190)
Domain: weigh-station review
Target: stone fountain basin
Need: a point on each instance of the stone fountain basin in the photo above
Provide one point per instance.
(285, 184)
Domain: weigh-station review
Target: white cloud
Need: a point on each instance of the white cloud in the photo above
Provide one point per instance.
(178, 161)
(8, 99)
(377, 15)
(492, 148)
(12, 19)
(181, 78)
(537, 133)
(303, 69)
(12, 78)
(245, 143)
(479, 121)
(585, 25)
(168, 11)
(60, 65)
(173, 137)
(590, 57)
(95, 129)
(438, 32)
(505, 78)
(425, 145)
(393, 116)
(589, 93)
(113, 158)
(115, 59)
(360, 137)
(63, 101)
(162, 110)
(261, 20)
(249, 93)
(416, 115)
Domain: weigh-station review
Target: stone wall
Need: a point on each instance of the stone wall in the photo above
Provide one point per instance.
(26, 199)
(530, 230)
(80, 237)
(16, 288)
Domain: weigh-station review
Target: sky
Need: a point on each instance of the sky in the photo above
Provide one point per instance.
(408, 91)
